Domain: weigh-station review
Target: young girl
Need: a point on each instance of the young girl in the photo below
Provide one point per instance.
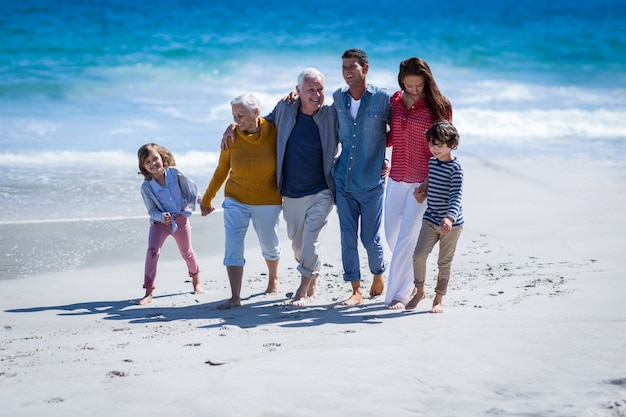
(170, 197)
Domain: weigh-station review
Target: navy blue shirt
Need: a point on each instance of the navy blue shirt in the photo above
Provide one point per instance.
(303, 166)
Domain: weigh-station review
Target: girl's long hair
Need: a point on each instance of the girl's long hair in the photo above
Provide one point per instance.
(144, 151)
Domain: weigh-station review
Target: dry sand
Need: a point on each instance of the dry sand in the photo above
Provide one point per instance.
(534, 321)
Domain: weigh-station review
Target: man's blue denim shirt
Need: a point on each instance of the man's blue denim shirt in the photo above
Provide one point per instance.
(364, 140)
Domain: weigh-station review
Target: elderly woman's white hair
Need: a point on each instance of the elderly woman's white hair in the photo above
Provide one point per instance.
(311, 74)
(248, 100)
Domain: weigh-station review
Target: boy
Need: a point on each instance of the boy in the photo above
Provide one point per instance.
(443, 220)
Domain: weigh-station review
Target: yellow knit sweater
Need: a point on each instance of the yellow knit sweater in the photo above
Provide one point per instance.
(250, 166)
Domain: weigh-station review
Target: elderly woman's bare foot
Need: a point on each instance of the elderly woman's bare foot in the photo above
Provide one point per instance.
(396, 305)
(197, 288)
(419, 296)
(272, 287)
(229, 304)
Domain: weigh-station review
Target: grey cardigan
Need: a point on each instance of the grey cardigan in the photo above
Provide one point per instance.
(188, 189)
(284, 117)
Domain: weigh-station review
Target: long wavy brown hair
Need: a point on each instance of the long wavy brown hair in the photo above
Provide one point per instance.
(144, 151)
(439, 106)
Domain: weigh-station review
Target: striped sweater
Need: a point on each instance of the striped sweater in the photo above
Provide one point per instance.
(445, 190)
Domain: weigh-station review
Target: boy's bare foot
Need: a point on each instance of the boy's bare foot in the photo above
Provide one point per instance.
(197, 288)
(355, 299)
(419, 296)
(378, 285)
(437, 304)
(437, 309)
(396, 305)
(229, 304)
(145, 300)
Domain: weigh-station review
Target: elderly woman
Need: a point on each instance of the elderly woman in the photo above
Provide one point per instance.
(249, 168)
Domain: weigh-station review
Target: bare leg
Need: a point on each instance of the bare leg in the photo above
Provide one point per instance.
(146, 298)
(419, 296)
(378, 285)
(235, 276)
(272, 283)
(437, 304)
(197, 288)
(357, 295)
(301, 295)
(312, 288)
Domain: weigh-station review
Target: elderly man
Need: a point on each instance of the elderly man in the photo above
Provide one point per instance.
(306, 148)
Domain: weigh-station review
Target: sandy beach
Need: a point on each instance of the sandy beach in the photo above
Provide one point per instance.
(534, 321)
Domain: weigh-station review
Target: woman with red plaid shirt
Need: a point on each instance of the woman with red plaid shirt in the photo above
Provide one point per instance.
(414, 108)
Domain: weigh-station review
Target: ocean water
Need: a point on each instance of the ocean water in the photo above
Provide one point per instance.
(83, 84)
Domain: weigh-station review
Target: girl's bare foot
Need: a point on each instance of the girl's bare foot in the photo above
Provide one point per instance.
(396, 305)
(145, 300)
(419, 296)
(197, 288)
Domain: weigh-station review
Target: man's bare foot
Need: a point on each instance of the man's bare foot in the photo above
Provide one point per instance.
(197, 288)
(437, 304)
(145, 300)
(299, 301)
(355, 299)
(378, 285)
(419, 296)
(396, 305)
(229, 304)
(310, 293)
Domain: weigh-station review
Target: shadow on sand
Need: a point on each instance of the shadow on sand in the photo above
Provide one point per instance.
(257, 310)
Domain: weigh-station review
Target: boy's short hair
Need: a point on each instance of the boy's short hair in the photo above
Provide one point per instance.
(443, 132)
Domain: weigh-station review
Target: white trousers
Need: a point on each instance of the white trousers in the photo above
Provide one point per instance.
(403, 221)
